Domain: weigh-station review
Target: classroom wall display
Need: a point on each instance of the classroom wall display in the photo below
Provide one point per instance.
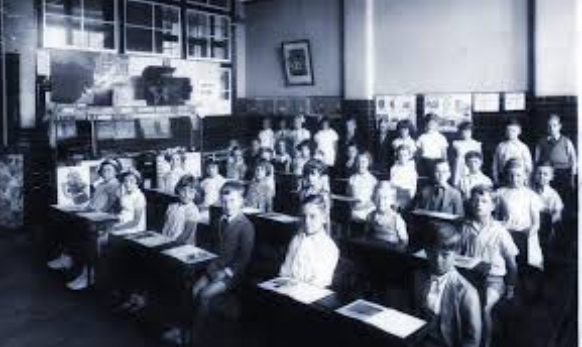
(73, 186)
(11, 190)
(452, 109)
(297, 63)
(156, 128)
(486, 102)
(192, 165)
(514, 102)
(396, 108)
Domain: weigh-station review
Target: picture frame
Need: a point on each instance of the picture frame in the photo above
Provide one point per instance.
(297, 64)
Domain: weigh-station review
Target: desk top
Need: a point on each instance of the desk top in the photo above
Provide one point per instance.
(91, 216)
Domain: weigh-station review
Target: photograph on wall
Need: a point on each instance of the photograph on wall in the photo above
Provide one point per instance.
(395, 108)
(297, 63)
(11, 190)
(73, 186)
(486, 102)
(452, 109)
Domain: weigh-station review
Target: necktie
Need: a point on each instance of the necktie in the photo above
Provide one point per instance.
(438, 197)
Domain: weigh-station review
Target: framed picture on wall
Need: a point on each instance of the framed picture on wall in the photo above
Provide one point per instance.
(297, 63)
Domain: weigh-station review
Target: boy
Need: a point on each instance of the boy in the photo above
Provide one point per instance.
(382, 149)
(552, 205)
(267, 135)
(487, 239)
(440, 196)
(432, 145)
(236, 235)
(446, 299)
(473, 177)
(512, 147)
(560, 152)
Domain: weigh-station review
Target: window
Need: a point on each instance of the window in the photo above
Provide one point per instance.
(222, 4)
(225, 84)
(208, 36)
(82, 24)
(152, 28)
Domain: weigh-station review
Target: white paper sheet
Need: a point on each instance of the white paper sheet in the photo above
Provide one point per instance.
(154, 240)
(97, 216)
(298, 291)
(189, 254)
(280, 217)
(389, 320)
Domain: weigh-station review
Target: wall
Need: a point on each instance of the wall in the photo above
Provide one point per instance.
(450, 45)
(21, 38)
(268, 23)
(556, 47)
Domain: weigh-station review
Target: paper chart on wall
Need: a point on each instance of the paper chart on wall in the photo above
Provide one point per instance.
(486, 102)
(452, 109)
(514, 102)
(395, 108)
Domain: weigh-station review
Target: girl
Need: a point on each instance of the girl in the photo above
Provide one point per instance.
(348, 167)
(384, 223)
(326, 140)
(282, 134)
(361, 186)
(405, 130)
(315, 181)
(176, 160)
(461, 147)
(302, 156)
(260, 193)
(432, 145)
(282, 158)
(211, 184)
(312, 255)
(132, 217)
(403, 173)
(298, 134)
(182, 217)
(236, 168)
(267, 135)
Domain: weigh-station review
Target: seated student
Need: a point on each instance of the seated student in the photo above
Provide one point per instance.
(237, 237)
(519, 210)
(350, 135)
(444, 297)
(104, 199)
(212, 184)
(267, 135)
(312, 255)
(236, 169)
(315, 181)
(552, 205)
(461, 147)
(487, 239)
(432, 146)
(302, 156)
(260, 193)
(182, 216)
(403, 173)
(131, 218)
(348, 164)
(384, 223)
(473, 176)
(298, 134)
(405, 130)
(253, 154)
(282, 158)
(176, 160)
(326, 140)
(512, 147)
(560, 152)
(361, 186)
(440, 196)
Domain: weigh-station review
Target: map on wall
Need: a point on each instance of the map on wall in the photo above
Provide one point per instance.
(452, 109)
(11, 190)
(396, 108)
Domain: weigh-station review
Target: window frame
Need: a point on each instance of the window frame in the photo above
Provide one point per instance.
(209, 37)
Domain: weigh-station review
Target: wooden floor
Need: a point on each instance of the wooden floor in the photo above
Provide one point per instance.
(37, 311)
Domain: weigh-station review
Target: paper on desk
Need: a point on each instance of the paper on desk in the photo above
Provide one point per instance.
(299, 291)
(280, 217)
(389, 320)
(71, 209)
(98, 216)
(250, 210)
(460, 260)
(154, 240)
(126, 232)
(189, 254)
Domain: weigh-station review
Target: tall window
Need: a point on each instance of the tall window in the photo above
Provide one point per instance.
(152, 28)
(83, 24)
(208, 36)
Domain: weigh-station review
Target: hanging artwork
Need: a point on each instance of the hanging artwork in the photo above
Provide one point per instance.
(297, 63)
(452, 109)
(73, 186)
(396, 108)
(11, 190)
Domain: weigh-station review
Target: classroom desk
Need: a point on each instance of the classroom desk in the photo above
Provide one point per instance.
(287, 322)
(157, 204)
(81, 232)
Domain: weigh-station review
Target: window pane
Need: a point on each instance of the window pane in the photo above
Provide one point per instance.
(198, 48)
(55, 7)
(76, 35)
(220, 49)
(167, 19)
(198, 24)
(100, 35)
(139, 14)
(167, 44)
(139, 40)
(56, 31)
(221, 27)
(100, 9)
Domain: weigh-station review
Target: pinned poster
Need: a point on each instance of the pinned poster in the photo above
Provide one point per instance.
(514, 102)
(395, 108)
(486, 102)
(73, 186)
(452, 109)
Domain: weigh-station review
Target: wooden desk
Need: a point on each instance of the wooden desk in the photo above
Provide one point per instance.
(318, 324)
(157, 204)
